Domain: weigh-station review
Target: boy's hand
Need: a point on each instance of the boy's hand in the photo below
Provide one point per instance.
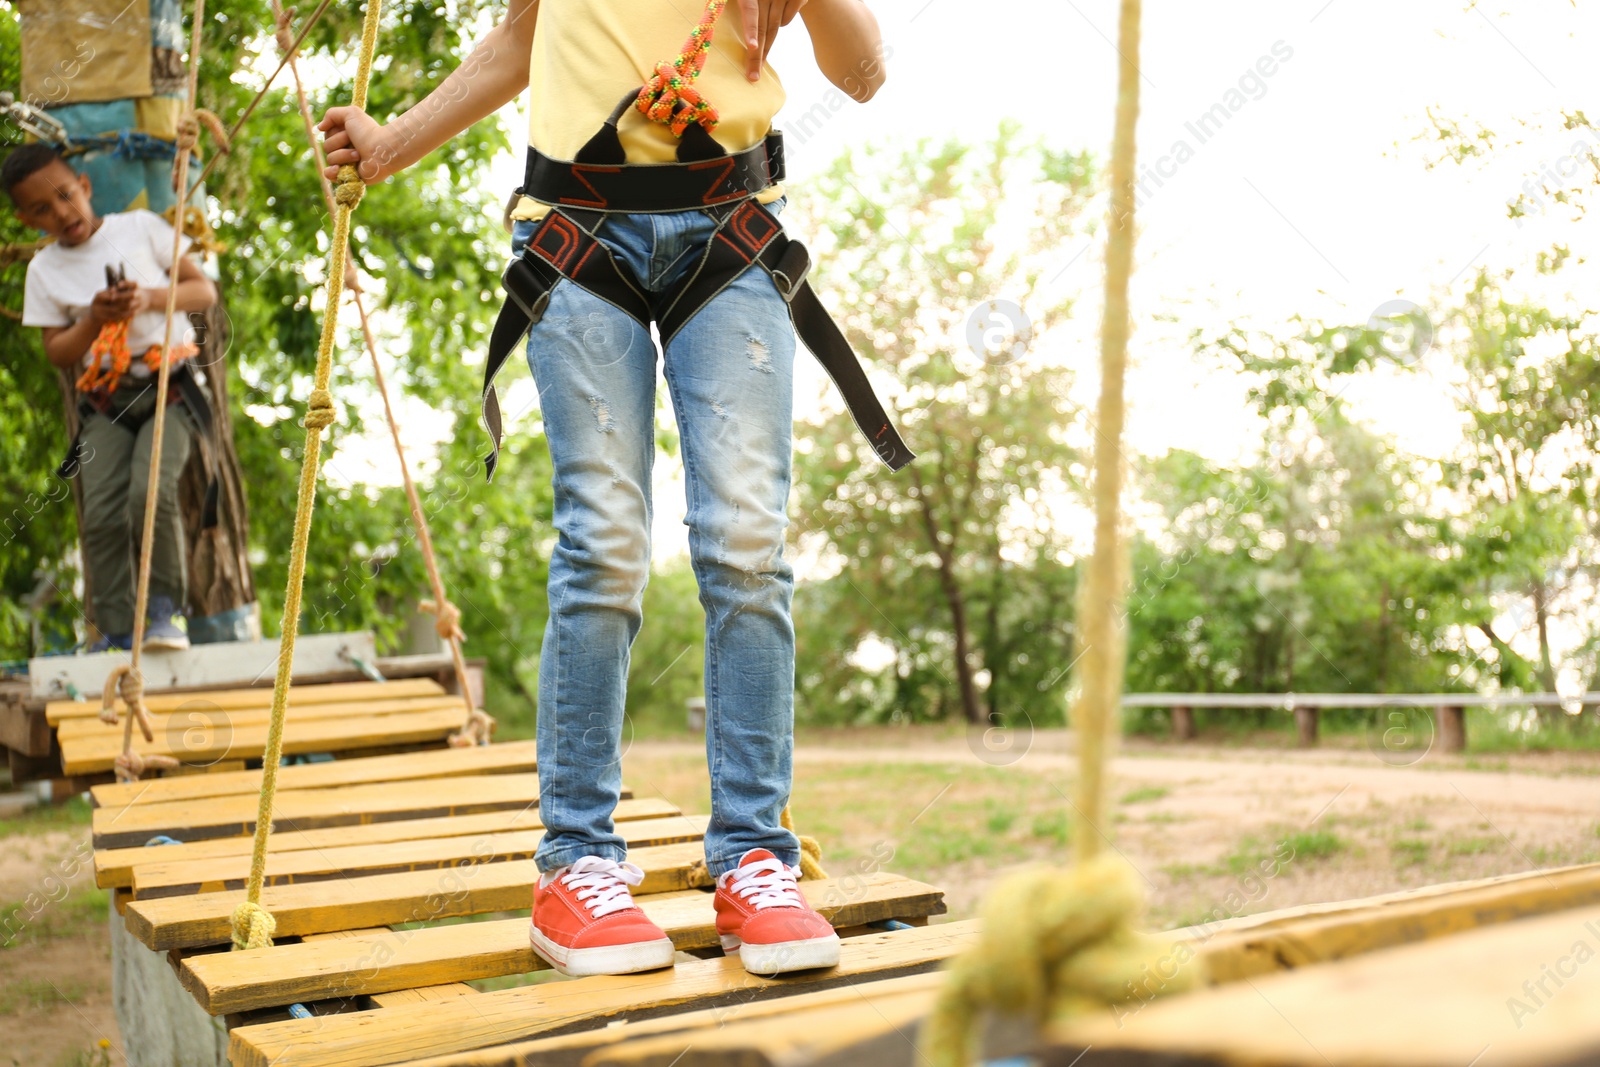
(762, 18)
(115, 304)
(354, 138)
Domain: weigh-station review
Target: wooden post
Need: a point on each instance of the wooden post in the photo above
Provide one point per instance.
(1305, 721)
(1183, 724)
(1452, 723)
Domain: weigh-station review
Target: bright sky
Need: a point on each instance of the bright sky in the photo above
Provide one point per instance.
(1311, 198)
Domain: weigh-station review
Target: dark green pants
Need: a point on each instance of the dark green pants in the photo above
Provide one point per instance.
(114, 473)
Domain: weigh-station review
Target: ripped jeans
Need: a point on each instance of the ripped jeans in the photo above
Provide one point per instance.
(729, 373)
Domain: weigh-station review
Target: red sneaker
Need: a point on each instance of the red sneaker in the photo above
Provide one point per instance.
(585, 921)
(763, 916)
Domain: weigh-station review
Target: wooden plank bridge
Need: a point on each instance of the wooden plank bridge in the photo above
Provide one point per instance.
(400, 885)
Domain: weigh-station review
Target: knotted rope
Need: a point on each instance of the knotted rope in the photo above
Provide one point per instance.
(810, 849)
(478, 725)
(1058, 943)
(673, 85)
(252, 926)
(128, 680)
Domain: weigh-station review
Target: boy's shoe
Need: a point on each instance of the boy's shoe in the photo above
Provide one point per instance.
(107, 642)
(763, 916)
(585, 921)
(161, 632)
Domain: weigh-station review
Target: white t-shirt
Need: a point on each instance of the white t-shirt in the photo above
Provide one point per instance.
(62, 281)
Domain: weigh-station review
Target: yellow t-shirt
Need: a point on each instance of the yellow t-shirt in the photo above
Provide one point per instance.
(587, 53)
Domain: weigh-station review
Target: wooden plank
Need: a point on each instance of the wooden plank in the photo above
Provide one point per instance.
(59, 712)
(391, 1036)
(426, 995)
(1321, 933)
(115, 866)
(200, 719)
(695, 1027)
(221, 665)
(239, 981)
(87, 755)
(305, 809)
(385, 899)
(1472, 998)
(497, 758)
(158, 879)
(1246, 948)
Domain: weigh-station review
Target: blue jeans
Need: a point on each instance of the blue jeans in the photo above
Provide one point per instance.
(729, 371)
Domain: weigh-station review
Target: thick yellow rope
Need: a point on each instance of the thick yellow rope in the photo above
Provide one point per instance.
(127, 680)
(810, 849)
(252, 925)
(478, 725)
(1060, 943)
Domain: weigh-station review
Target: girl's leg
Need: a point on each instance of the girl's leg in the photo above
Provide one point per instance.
(595, 369)
(730, 372)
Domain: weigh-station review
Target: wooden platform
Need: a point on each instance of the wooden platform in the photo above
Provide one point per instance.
(198, 730)
(396, 880)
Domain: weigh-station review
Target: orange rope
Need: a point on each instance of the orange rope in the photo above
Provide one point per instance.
(674, 83)
(111, 346)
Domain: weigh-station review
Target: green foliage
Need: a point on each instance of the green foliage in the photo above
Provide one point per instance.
(912, 245)
(429, 244)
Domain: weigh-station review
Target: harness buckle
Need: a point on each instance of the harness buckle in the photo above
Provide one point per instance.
(524, 286)
(790, 273)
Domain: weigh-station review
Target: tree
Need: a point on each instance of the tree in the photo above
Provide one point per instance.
(429, 245)
(955, 563)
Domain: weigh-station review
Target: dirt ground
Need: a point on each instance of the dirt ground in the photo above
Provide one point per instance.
(1196, 820)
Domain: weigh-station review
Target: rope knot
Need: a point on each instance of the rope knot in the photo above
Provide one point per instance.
(253, 926)
(810, 849)
(1056, 944)
(131, 765)
(474, 731)
(320, 413)
(284, 35)
(350, 189)
(670, 96)
(448, 623)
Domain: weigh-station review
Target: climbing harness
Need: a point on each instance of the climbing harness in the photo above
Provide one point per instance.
(599, 181)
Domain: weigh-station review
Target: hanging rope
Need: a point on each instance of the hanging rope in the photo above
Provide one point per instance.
(478, 725)
(126, 680)
(673, 84)
(1055, 943)
(252, 924)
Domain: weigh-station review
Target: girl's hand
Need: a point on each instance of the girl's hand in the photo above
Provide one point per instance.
(352, 137)
(762, 18)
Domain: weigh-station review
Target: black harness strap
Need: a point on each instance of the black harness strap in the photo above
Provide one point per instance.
(564, 246)
(750, 236)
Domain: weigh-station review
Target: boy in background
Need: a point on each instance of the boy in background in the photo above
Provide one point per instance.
(98, 294)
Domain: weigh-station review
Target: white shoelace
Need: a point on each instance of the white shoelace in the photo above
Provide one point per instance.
(602, 884)
(766, 884)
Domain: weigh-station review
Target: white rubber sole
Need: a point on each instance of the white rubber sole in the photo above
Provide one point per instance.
(165, 644)
(606, 959)
(781, 957)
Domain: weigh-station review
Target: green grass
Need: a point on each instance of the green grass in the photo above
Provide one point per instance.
(1315, 844)
(1410, 851)
(1144, 794)
(37, 994)
(80, 911)
(1473, 846)
(43, 818)
(1054, 827)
